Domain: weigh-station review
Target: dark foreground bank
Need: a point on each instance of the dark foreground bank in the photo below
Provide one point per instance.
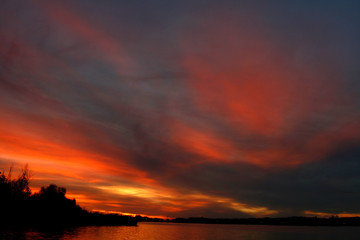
(49, 207)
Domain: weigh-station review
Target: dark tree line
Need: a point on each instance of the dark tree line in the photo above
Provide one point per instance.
(48, 207)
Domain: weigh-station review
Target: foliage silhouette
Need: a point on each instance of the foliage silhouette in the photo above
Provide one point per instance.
(50, 207)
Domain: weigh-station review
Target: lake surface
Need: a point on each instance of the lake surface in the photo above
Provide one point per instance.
(178, 231)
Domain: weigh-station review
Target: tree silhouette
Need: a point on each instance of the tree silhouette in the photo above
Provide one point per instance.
(49, 207)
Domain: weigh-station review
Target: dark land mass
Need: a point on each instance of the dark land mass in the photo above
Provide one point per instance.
(287, 221)
(51, 209)
(48, 208)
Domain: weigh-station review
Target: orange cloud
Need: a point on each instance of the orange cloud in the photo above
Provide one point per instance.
(244, 79)
(202, 142)
(26, 143)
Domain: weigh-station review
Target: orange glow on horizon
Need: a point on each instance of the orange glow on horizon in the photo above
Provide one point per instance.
(171, 201)
(130, 214)
(327, 215)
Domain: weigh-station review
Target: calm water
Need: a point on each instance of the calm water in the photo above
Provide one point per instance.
(170, 231)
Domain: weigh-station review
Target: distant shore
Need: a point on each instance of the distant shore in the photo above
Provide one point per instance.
(285, 221)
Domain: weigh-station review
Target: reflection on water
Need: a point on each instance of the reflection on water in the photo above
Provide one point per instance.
(174, 231)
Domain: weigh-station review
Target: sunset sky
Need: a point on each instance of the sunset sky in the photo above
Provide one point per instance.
(185, 108)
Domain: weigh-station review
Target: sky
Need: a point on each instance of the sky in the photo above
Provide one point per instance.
(185, 108)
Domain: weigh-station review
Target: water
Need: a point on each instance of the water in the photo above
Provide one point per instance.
(178, 231)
